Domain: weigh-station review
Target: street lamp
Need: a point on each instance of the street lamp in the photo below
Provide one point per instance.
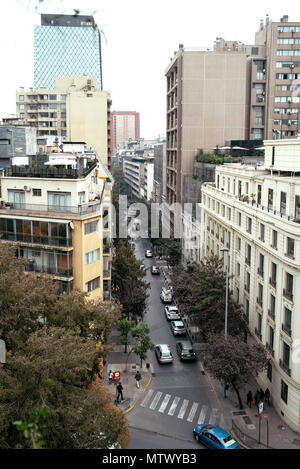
(226, 302)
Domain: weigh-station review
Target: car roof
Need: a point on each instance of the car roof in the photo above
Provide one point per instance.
(172, 307)
(186, 344)
(218, 432)
(163, 346)
(178, 323)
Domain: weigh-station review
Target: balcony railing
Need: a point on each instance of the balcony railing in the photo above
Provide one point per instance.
(285, 366)
(61, 173)
(83, 209)
(60, 272)
(34, 239)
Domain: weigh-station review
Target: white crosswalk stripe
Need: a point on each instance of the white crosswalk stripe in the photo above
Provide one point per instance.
(164, 403)
(206, 414)
(174, 405)
(202, 415)
(183, 409)
(155, 400)
(147, 398)
(193, 412)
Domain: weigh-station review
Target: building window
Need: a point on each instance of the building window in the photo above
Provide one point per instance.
(260, 269)
(274, 239)
(283, 202)
(271, 311)
(273, 274)
(22, 107)
(52, 97)
(248, 257)
(37, 192)
(287, 324)
(239, 219)
(21, 97)
(270, 199)
(269, 371)
(290, 248)
(91, 227)
(249, 225)
(238, 269)
(92, 285)
(239, 244)
(288, 291)
(297, 207)
(284, 391)
(92, 256)
(262, 232)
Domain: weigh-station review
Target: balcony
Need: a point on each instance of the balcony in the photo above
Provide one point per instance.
(83, 209)
(56, 173)
(285, 367)
(287, 294)
(31, 266)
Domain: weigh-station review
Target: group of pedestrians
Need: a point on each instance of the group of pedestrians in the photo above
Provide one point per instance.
(119, 387)
(259, 396)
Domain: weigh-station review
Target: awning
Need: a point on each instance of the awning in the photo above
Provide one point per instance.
(17, 217)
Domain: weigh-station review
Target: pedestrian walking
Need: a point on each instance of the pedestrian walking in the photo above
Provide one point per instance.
(249, 399)
(261, 395)
(120, 392)
(267, 396)
(110, 376)
(138, 378)
(256, 398)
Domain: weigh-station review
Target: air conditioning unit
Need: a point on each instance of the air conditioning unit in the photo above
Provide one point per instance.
(27, 188)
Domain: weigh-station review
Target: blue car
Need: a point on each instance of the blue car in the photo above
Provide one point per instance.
(214, 437)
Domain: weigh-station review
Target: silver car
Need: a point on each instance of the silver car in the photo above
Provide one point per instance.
(163, 353)
(172, 313)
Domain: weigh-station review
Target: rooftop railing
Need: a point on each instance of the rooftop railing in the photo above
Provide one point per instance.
(50, 172)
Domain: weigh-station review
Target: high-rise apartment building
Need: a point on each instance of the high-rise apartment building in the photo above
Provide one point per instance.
(75, 110)
(66, 46)
(254, 212)
(124, 125)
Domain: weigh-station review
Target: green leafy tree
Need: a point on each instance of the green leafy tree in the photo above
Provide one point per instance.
(31, 430)
(143, 342)
(234, 361)
(128, 286)
(125, 325)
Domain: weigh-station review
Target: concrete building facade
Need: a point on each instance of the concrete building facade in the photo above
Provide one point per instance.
(254, 211)
(124, 125)
(16, 142)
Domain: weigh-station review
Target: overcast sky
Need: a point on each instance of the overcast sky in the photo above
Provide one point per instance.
(141, 37)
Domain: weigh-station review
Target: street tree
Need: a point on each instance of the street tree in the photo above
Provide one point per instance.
(234, 361)
(81, 414)
(199, 285)
(128, 285)
(142, 341)
(125, 325)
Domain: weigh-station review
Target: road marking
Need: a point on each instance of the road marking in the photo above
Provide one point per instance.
(192, 412)
(164, 403)
(155, 400)
(147, 398)
(202, 414)
(183, 409)
(213, 416)
(174, 405)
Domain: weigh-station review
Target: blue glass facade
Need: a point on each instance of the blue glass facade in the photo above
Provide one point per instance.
(63, 51)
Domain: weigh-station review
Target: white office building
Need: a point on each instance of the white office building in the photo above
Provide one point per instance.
(255, 212)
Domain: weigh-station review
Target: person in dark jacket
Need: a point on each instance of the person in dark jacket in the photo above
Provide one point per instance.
(138, 378)
(249, 399)
(267, 396)
(120, 392)
(261, 395)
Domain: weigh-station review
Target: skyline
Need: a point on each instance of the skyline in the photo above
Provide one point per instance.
(138, 41)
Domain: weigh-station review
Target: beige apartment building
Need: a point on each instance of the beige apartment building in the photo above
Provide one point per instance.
(231, 92)
(75, 110)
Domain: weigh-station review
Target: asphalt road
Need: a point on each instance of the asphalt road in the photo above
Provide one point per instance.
(179, 396)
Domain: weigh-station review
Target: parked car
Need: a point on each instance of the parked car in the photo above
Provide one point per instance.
(214, 437)
(163, 353)
(177, 327)
(166, 295)
(148, 253)
(185, 350)
(172, 313)
(155, 270)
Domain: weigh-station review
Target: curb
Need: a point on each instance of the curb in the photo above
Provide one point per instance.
(139, 398)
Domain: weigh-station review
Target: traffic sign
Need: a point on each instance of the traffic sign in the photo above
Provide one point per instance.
(117, 375)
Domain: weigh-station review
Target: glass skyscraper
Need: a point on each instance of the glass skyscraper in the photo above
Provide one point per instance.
(65, 46)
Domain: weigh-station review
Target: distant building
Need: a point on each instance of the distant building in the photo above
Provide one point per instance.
(58, 217)
(139, 175)
(16, 144)
(124, 125)
(159, 172)
(66, 46)
(75, 110)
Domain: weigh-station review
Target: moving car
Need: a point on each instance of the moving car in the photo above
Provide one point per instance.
(172, 313)
(155, 270)
(148, 253)
(214, 437)
(166, 295)
(185, 350)
(177, 327)
(163, 353)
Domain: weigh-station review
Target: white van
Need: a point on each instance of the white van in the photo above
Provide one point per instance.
(166, 295)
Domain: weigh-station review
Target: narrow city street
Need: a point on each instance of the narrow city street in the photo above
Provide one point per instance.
(180, 395)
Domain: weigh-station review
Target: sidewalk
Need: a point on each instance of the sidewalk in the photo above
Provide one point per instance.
(116, 361)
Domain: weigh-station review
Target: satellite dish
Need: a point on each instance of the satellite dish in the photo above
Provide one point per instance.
(2, 351)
